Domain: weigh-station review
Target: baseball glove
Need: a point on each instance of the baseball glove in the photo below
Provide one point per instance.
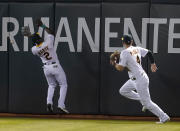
(25, 31)
(114, 58)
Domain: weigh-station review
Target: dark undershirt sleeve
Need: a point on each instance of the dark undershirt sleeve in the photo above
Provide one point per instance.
(151, 57)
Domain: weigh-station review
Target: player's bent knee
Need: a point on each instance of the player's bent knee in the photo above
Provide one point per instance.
(122, 91)
(64, 85)
(147, 104)
(52, 85)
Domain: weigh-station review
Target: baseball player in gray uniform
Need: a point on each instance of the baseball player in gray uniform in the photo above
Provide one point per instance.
(130, 58)
(53, 71)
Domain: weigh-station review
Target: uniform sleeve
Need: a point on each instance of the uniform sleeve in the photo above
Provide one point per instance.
(143, 51)
(33, 50)
(123, 59)
(49, 40)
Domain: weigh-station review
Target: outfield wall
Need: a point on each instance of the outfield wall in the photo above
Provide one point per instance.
(86, 32)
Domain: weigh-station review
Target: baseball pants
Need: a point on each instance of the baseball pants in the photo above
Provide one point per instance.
(55, 75)
(141, 85)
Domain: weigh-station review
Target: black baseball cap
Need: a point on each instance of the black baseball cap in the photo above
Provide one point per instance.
(36, 39)
(127, 39)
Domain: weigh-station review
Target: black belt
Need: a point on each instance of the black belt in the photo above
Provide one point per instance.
(133, 78)
(49, 63)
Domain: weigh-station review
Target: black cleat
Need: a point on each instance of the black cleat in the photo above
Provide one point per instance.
(64, 110)
(49, 108)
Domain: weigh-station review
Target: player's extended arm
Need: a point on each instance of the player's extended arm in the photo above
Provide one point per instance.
(119, 67)
(40, 24)
(151, 58)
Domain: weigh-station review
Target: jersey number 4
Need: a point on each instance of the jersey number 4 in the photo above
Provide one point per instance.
(134, 52)
(138, 59)
(46, 54)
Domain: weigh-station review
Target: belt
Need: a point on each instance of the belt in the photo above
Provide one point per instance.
(133, 78)
(49, 63)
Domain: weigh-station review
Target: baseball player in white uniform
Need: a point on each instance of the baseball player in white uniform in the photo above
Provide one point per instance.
(130, 58)
(52, 69)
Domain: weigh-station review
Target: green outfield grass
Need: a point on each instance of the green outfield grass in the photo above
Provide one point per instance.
(37, 124)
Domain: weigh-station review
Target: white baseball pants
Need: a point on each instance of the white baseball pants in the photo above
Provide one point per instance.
(55, 75)
(141, 85)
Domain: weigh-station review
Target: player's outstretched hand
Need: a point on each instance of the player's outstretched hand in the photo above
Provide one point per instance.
(39, 22)
(153, 67)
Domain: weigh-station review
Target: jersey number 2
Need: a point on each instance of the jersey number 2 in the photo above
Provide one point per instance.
(46, 54)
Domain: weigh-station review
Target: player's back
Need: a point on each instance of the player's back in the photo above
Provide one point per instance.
(133, 59)
(46, 50)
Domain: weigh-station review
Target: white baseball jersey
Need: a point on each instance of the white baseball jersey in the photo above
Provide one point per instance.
(53, 71)
(131, 58)
(46, 51)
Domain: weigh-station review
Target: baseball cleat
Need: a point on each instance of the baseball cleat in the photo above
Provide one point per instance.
(63, 110)
(144, 109)
(49, 108)
(164, 119)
